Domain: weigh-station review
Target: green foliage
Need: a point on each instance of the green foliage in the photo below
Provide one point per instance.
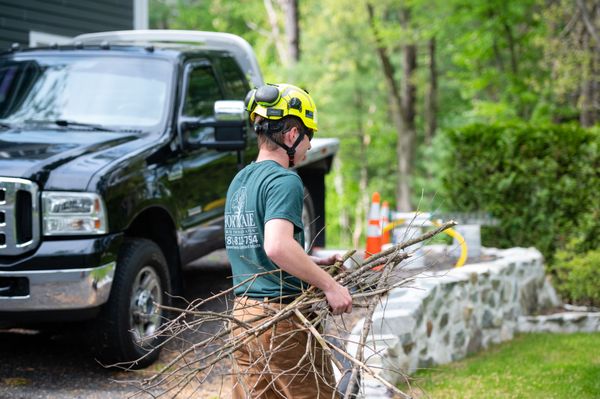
(577, 273)
(541, 182)
(530, 366)
(337, 67)
(497, 61)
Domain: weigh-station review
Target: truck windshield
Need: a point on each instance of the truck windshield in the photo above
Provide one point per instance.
(104, 91)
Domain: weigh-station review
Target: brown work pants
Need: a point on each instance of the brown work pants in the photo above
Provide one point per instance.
(283, 362)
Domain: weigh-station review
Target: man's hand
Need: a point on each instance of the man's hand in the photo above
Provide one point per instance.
(328, 261)
(339, 299)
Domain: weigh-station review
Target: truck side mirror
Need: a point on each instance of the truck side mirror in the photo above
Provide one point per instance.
(226, 131)
(230, 110)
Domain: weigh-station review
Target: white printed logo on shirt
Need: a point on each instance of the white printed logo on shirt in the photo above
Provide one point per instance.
(241, 231)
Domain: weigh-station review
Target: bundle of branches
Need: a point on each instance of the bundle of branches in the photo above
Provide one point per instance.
(193, 363)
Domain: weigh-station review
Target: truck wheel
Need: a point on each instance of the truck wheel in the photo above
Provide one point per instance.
(308, 220)
(131, 317)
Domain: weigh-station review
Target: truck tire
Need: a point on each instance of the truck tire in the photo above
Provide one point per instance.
(308, 220)
(141, 279)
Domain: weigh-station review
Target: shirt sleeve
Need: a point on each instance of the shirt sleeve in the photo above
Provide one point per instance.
(285, 196)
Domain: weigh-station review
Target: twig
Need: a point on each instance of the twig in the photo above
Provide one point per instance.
(196, 360)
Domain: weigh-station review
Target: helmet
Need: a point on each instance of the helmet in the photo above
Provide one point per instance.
(274, 101)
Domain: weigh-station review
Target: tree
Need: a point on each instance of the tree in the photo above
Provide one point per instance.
(483, 61)
(431, 95)
(402, 105)
(572, 53)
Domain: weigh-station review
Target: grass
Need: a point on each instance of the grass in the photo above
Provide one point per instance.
(531, 366)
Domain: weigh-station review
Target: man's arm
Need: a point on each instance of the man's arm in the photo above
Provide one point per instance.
(282, 249)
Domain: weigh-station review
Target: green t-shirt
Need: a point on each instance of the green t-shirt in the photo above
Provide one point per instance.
(260, 192)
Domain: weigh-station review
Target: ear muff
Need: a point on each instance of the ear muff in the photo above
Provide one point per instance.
(267, 95)
(250, 101)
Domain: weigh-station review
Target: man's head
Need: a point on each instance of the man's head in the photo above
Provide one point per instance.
(282, 115)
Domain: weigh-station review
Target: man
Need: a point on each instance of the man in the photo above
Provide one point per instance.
(265, 241)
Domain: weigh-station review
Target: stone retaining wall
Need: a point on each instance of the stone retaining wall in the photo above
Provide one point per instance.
(563, 323)
(444, 316)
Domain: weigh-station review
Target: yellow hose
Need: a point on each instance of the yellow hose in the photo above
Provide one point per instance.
(451, 232)
(463, 246)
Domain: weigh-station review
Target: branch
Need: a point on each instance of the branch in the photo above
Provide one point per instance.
(275, 34)
(199, 357)
(388, 68)
(426, 236)
(588, 22)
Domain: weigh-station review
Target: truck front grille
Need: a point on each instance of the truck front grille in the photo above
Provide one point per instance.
(19, 216)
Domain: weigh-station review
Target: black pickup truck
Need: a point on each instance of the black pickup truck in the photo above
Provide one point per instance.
(116, 152)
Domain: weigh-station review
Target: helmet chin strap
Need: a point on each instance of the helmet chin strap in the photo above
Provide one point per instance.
(267, 129)
(291, 151)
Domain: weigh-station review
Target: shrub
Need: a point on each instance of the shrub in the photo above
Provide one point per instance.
(577, 273)
(541, 182)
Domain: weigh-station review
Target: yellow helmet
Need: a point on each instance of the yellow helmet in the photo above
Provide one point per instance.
(274, 101)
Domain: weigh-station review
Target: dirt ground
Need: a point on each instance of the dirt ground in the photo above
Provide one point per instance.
(55, 363)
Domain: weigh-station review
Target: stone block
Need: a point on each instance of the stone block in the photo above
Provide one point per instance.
(467, 312)
(475, 341)
(528, 296)
(510, 269)
(459, 340)
(425, 363)
(473, 278)
(443, 321)
(497, 321)
(484, 294)
(429, 328)
(507, 331)
(447, 338)
(487, 320)
(474, 297)
(437, 306)
(492, 301)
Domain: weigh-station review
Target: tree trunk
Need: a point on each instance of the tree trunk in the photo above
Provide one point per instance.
(275, 32)
(363, 200)
(292, 29)
(406, 146)
(406, 141)
(586, 99)
(596, 86)
(589, 99)
(514, 64)
(431, 96)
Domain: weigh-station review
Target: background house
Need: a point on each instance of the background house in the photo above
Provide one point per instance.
(43, 22)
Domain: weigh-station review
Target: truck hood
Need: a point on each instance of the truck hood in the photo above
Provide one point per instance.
(61, 159)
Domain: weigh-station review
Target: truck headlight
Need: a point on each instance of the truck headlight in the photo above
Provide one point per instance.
(66, 213)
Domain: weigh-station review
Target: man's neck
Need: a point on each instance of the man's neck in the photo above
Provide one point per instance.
(277, 155)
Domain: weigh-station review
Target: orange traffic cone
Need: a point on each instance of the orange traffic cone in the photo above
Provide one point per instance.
(373, 227)
(385, 220)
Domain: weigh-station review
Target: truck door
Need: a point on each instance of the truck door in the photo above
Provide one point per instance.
(200, 181)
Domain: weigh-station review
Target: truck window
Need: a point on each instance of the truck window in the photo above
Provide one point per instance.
(119, 92)
(236, 84)
(15, 82)
(202, 92)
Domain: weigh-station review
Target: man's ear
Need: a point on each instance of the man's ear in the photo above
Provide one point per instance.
(291, 136)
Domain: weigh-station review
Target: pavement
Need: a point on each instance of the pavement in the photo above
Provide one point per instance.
(55, 362)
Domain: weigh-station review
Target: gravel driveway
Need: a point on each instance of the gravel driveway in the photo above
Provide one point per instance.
(56, 363)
